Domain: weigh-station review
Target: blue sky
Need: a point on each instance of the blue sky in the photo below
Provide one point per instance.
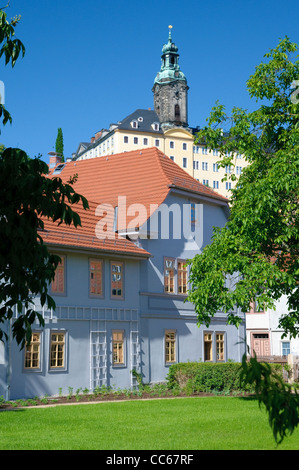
(91, 63)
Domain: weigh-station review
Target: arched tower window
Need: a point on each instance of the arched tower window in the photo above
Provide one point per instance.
(177, 115)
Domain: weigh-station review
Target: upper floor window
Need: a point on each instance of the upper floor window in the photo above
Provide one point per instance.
(135, 140)
(216, 184)
(215, 167)
(145, 141)
(171, 158)
(204, 150)
(184, 162)
(126, 139)
(171, 144)
(184, 146)
(204, 166)
(58, 283)
(169, 275)
(157, 142)
(195, 165)
(96, 277)
(182, 277)
(117, 280)
(205, 182)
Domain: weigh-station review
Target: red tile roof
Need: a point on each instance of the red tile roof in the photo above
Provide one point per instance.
(85, 237)
(142, 176)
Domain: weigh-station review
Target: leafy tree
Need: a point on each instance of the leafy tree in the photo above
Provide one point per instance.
(11, 48)
(27, 197)
(255, 256)
(59, 143)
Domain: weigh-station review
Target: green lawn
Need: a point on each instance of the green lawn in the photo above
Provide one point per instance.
(208, 423)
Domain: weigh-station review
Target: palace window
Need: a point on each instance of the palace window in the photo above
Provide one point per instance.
(96, 277)
(135, 140)
(117, 280)
(58, 283)
(204, 166)
(145, 141)
(171, 144)
(126, 139)
(118, 347)
(157, 143)
(184, 162)
(32, 352)
(170, 346)
(184, 146)
(57, 350)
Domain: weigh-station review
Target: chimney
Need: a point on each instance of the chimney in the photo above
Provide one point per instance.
(55, 159)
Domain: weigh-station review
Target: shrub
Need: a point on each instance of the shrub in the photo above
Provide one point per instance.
(194, 377)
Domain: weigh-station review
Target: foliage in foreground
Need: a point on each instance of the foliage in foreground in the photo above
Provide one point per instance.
(255, 257)
(26, 197)
(256, 254)
(280, 399)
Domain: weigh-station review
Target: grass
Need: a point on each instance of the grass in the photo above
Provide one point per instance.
(209, 423)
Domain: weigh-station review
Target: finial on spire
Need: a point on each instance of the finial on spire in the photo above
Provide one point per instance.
(169, 36)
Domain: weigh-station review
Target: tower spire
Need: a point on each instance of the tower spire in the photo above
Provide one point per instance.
(170, 88)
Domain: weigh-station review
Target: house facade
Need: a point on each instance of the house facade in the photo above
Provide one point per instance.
(121, 287)
(264, 336)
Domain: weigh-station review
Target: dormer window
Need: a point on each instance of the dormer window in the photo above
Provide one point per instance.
(134, 124)
(155, 126)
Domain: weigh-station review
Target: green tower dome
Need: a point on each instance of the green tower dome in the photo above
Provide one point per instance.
(170, 69)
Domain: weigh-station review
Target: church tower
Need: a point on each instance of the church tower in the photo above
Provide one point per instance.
(170, 89)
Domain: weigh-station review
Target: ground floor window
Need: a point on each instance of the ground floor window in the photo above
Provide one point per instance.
(220, 346)
(285, 348)
(208, 349)
(118, 347)
(170, 346)
(32, 352)
(57, 350)
(211, 352)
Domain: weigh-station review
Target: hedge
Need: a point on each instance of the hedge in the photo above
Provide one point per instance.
(193, 377)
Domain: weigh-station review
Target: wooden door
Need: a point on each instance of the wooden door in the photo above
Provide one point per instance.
(261, 344)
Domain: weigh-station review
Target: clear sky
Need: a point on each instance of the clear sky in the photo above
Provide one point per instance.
(90, 63)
